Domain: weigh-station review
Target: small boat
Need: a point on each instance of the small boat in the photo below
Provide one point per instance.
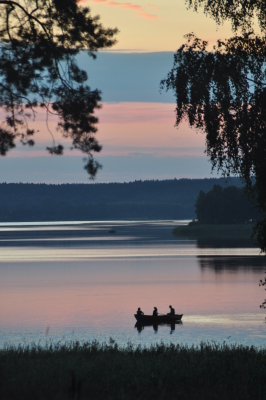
(160, 319)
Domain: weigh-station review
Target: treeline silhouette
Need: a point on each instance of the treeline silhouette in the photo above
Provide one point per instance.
(167, 199)
(227, 205)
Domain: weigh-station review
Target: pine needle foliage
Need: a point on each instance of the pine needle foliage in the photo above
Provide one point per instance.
(39, 40)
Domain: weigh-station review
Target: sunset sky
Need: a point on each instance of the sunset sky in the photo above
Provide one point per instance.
(157, 25)
(136, 122)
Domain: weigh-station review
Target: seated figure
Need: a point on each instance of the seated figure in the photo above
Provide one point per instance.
(139, 312)
(172, 311)
(155, 312)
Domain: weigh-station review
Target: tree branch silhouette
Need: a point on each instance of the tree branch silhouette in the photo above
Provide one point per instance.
(222, 92)
(39, 40)
(214, 93)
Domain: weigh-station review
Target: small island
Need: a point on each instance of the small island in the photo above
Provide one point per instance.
(223, 214)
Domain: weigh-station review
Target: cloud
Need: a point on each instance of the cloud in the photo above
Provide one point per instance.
(147, 15)
(129, 6)
(154, 7)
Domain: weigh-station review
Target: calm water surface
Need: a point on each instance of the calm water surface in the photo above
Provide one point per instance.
(78, 281)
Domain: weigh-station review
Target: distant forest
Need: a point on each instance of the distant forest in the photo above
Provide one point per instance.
(146, 200)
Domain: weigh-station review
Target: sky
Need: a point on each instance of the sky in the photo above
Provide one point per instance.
(155, 25)
(136, 122)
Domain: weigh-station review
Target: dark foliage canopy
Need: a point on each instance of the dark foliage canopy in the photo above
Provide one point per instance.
(240, 13)
(223, 93)
(226, 205)
(38, 43)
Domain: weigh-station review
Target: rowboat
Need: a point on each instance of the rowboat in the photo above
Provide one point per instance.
(160, 319)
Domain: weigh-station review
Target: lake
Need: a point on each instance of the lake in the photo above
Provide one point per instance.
(85, 280)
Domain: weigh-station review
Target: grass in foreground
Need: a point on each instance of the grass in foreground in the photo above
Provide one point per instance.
(94, 371)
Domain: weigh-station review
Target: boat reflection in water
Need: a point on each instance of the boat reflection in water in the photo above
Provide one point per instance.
(141, 325)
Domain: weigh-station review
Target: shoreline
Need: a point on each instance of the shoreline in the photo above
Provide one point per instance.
(234, 232)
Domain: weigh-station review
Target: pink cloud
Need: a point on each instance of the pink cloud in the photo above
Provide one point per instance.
(147, 15)
(154, 7)
(129, 6)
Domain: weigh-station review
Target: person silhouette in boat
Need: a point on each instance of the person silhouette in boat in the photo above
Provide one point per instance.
(155, 312)
(139, 312)
(172, 311)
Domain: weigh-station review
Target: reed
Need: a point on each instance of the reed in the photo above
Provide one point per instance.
(106, 371)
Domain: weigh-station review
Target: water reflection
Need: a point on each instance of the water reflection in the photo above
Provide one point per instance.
(102, 234)
(84, 284)
(256, 265)
(141, 325)
(224, 243)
